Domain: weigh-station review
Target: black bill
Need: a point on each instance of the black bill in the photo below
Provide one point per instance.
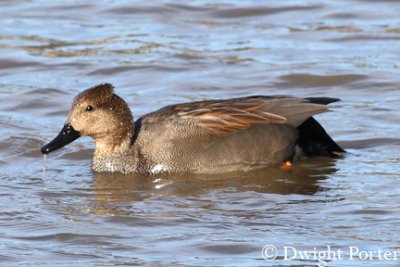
(66, 136)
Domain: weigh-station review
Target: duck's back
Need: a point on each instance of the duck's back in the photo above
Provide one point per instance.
(221, 135)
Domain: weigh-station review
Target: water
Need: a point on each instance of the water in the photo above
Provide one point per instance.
(162, 52)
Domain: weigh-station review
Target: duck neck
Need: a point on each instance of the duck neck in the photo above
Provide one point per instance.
(115, 153)
(114, 144)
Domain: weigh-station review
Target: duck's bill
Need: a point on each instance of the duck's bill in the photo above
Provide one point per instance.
(66, 136)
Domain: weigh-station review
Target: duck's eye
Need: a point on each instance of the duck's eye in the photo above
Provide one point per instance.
(89, 108)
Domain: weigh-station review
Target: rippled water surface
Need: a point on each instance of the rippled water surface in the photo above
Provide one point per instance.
(162, 52)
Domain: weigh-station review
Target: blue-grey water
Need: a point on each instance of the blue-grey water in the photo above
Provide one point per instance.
(159, 52)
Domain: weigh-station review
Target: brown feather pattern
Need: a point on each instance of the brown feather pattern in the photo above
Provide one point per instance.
(222, 116)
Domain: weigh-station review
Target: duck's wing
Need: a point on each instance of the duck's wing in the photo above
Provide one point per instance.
(222, 116)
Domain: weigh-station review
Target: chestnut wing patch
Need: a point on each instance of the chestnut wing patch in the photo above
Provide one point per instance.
(223, 116)
(224, 119)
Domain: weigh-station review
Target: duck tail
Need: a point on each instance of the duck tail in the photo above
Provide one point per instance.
(322, 100)
(313, 139)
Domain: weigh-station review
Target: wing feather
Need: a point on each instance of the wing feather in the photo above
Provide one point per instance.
(223, 116)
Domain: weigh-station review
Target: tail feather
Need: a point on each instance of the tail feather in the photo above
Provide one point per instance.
(322, 100)
(314, 140)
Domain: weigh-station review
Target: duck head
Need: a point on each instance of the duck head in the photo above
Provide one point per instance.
(99, 113)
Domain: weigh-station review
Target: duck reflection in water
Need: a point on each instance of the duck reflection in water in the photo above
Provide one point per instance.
(301, 179)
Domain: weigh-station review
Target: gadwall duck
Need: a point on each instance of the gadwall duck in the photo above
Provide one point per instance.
(203, 137)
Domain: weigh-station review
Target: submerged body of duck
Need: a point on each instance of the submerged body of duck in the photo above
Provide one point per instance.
(204, 137)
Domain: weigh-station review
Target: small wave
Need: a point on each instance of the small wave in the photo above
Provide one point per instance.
(259, 11)
(367, 143)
